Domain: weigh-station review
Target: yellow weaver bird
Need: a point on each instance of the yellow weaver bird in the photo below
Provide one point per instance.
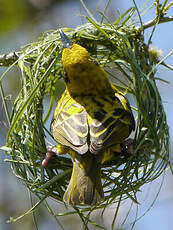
(91, 120)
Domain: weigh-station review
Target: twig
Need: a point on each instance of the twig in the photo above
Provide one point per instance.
(153, 22)
(8, 59)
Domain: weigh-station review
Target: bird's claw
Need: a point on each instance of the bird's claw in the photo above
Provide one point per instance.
(51, 150)
(128, 146)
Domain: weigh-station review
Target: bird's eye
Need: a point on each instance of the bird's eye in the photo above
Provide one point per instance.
(65, 76)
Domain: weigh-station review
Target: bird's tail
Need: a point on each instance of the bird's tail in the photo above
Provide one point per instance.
(85, 185)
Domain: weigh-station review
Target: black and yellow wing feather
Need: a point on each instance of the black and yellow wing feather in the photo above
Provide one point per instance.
(69, 125)
(89, 123)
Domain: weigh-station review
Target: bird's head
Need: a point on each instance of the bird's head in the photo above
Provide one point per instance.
(82, 75)
(73, 54)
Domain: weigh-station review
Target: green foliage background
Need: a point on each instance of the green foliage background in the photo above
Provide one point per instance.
(121, 45)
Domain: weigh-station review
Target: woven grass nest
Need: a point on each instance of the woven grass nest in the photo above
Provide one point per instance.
(113, 46)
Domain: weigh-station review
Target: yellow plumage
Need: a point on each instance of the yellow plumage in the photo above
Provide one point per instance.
(90, 119)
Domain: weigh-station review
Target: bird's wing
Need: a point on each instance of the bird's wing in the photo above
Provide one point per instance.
(110, 123)
(69, 125)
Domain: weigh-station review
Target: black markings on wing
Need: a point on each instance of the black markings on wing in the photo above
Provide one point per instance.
(99, 114)
(101, 131)
(98, 102)
(118, 112)
(107, 124)
(112, 121)
(128, 111)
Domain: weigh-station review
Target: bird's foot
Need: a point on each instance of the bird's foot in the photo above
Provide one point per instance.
(128, 146)
(51, 150)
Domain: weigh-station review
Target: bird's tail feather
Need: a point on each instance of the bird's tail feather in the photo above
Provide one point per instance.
(85, 185)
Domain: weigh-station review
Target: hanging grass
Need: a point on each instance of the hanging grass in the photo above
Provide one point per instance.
(118, 45)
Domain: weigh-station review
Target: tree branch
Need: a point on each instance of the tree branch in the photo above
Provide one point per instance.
(8, 59)
(154, 21)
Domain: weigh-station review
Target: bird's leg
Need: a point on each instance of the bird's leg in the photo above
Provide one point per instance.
(127, 146)
(51, 150)
(54, 150)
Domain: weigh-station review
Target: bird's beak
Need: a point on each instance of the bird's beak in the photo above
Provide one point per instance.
(66, 42)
